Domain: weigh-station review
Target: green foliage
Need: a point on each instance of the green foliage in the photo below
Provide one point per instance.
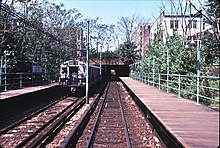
(174, 56)
(210, 50)
(171, 55)
(46, 38)
(127, 53)
(213, 7)
(47, 35)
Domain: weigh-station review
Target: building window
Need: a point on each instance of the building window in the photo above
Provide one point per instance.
(189, 24)
(171, 24)
(174, 24)
(194, 23)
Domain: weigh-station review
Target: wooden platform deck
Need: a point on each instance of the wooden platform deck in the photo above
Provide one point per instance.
(17, 92)
(193, 125)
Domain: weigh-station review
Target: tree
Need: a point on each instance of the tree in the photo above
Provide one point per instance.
(213, 12)
(180, 60)
(45, 36)
(127, 52)
(126, 26)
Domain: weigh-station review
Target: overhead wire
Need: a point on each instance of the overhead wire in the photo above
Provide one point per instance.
(30, 24)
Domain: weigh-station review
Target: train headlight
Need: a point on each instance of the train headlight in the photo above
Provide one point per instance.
(73, 89)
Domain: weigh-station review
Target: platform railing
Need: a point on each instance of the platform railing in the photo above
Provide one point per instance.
(184, 85)
(11, 81)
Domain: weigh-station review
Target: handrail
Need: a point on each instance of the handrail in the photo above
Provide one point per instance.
(20, 80)
(183, 85)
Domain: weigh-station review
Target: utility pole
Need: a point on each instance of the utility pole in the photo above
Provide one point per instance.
(1, 74)
(100, 72)
(5, 52)
(87, 66)
(198, 60)
(5, 66)
(168, 70)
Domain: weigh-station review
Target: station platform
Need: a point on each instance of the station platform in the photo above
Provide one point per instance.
(191, 124)
(26, 90)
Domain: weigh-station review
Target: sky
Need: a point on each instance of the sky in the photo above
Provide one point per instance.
(111, 10)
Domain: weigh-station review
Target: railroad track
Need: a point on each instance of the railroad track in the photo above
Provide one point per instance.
(39, 128)
(107, 126)
(102, 123)
(110, 128)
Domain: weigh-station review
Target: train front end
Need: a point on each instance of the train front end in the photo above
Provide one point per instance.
(75, 75)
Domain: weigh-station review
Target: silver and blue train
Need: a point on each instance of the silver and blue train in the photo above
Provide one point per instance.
(73, 75)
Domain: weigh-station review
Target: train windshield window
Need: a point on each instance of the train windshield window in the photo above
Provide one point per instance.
(73, 69)
(64, 70)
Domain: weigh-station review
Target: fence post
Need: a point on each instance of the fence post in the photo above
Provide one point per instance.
(153, 69)
(135, 75)
(138, 76)
(20, 80)
(1, 74)
(159, 81)
(145, 78)
(5, 81)
(141, 76)
(5, 64)
(197, 90)
(167, 83)
(148, 78)
(153, 79)
(179, 88)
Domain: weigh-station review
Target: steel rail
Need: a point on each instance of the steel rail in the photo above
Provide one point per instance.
(97, 119)
(71, 139)
(29, 138)
(56, 126)
(123, 118)
(4, 130)
(89, 143)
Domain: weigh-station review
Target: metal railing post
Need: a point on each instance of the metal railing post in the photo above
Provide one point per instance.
(145, 78)
(153, 79)
(198, 69)
(179, 87)
(153, 70)
(5, 70)
(1, 73)
(148, 78)
(167, 83)
(5, 82)
(139, 76)
(197, 90)
(20, 80)
(159, 81)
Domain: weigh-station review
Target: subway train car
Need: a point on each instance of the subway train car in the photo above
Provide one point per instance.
(73, 75)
